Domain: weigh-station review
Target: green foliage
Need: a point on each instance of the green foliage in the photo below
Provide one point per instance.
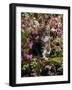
(55, 60)
(24, 36)
(55, 53)
(36, 66)
(53, 34)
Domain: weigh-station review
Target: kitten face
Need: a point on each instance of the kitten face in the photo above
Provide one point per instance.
(45, 39)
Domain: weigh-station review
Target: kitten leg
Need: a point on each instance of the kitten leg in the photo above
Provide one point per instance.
(44, 55)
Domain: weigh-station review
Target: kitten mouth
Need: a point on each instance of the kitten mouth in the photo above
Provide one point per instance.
(45, 39)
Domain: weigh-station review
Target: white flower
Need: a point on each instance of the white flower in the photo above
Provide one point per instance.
(53, 29)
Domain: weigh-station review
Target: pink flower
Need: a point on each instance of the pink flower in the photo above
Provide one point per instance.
(29, 57)
(58, 30)
(30, 44)
(59, 25)
(53, 21)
